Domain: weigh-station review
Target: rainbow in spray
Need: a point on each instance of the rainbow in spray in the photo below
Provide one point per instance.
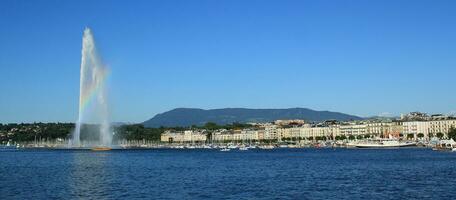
(93, 105)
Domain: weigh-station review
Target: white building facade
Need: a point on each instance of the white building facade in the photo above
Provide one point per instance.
(441, 126)
(415, 128)
(183, 136)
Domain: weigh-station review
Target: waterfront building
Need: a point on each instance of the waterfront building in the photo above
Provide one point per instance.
(352, 128)
(441, 126)
(245, 135)
(222, 135)
(429, 126)
(395, 130)
(270, 132)
(378, 128)
(183, 136)
(260, 134)
(298, 130)
(250, 135)
(384, 129)
(284, 133)
(308, 131)
(329, 132)
(236, 135)
(415, 128)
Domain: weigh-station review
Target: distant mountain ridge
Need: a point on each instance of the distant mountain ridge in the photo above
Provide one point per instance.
(196, 116)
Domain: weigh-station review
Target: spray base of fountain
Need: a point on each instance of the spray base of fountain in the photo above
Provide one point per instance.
(101, 149)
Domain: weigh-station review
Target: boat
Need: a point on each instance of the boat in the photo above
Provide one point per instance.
(225, 149)
(243, 148)
(445, 145)
(382, 144)
(101, 149)
(292, 146)
(267, 147)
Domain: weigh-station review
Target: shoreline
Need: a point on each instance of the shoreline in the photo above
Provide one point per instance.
(207, 149)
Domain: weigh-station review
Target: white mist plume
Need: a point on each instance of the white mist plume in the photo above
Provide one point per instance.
(93, 92)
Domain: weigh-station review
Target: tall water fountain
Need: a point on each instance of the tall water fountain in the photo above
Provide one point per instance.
(93, 105)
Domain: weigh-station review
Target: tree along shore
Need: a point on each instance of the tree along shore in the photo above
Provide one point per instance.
(29, 132)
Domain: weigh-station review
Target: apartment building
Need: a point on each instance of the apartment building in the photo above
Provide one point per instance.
(441, 126)
(415, 128)
(352, 129)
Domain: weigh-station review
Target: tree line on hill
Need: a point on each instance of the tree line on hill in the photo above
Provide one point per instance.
(34, 131)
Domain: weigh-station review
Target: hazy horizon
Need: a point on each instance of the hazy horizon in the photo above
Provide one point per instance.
(363, 58)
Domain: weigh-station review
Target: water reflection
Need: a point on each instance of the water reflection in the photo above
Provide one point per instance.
(205, 174)
(90, 174)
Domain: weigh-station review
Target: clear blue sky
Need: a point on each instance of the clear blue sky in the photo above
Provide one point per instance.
(358, 57)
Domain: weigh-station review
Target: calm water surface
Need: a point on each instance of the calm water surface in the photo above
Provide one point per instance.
(211, 174)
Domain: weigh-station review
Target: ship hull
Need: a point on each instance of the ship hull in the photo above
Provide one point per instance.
(385, 145)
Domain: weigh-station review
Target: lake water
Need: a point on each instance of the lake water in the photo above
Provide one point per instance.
(210, 174)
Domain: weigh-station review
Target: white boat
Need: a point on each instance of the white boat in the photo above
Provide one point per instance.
(243, 148)
(382, 144)
(225, 149)
(446, 145)
(267, 147)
